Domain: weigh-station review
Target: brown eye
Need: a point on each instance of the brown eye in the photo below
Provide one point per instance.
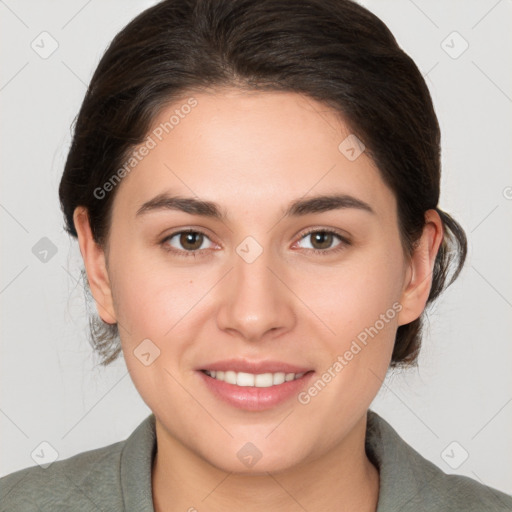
(186, 243)
(323, 241)
(191, 241)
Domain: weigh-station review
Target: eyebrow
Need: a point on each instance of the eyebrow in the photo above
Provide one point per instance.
(299, 207)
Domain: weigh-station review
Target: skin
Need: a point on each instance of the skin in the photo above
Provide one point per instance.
(254, 153)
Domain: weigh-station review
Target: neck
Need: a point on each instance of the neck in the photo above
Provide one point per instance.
(341, 480)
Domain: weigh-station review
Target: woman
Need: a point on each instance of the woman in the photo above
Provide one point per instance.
(254, 188)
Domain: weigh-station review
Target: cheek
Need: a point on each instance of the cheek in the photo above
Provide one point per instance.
(159, 307)
(353, 295)
(152, 297)
(359, 302)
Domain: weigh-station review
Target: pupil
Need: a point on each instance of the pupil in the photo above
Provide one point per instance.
(188, 238)
(323, 238)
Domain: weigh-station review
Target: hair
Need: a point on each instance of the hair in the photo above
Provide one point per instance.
(334, 51)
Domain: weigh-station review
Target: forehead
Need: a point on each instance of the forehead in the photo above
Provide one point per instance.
(248, 149)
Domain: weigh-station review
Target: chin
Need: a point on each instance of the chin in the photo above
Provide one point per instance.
(261, 467)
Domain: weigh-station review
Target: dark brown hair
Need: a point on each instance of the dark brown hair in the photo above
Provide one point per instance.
(334, 51)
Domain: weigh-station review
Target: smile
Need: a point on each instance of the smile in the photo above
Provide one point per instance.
(261, 380)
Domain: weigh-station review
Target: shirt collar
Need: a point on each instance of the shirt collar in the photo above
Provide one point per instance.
(403, 473)
(136, 467)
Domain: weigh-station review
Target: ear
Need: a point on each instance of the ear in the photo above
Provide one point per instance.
(419, 274)
(95, 266)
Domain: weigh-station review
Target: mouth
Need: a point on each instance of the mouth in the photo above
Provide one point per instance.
(259, 388)
(260, 380)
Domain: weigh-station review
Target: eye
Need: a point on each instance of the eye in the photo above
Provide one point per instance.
(191, 242)
(185, 243)
(322, 241)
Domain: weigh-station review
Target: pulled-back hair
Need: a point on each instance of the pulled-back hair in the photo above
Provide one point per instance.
(334, 51)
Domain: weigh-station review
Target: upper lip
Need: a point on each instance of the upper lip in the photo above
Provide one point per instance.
(256, 367)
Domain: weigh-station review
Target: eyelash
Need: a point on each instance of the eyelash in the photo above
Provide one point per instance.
(186, 254)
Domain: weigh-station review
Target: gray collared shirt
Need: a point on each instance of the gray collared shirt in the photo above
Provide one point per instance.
(118, 478)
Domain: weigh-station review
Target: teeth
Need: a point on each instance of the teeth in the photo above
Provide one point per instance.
(261, 380)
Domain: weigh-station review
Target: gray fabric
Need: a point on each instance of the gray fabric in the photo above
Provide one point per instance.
(118, 478)
(411, 483)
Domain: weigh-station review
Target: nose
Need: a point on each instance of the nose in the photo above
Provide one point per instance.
(256, 299)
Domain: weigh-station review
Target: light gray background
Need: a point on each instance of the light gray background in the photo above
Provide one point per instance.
(50, 389)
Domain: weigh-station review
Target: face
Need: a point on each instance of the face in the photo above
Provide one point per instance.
(264, 278)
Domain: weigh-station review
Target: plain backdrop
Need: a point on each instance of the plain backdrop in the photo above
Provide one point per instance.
(458, 402)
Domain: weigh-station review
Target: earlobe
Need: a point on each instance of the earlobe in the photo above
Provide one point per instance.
(95, 266)
(418, 281)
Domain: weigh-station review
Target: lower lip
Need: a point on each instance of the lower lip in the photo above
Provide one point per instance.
(252, 398)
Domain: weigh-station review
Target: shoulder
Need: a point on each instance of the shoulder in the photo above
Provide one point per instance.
(113, 477)
(409, 482)
(81, 482)
(457, 492)
(442, 491)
